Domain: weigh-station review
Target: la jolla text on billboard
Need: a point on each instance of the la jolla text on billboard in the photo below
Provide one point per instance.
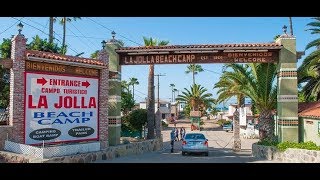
(60, 108)
(189, 58)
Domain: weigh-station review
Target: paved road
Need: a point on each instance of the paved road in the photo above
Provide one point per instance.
(220, 144)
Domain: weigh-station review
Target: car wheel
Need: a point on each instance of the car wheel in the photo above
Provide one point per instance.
(183, 153)
(206, 153)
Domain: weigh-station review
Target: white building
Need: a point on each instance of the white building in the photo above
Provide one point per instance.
(165, 107)
(246, 109)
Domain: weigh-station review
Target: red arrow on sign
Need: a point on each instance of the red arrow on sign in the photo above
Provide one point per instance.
(86, 84)
(42, 81)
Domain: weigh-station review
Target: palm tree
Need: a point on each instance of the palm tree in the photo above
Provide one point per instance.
(254, 80)
(229, 85)
(291, 28)
(133, 81)
(150, 115)
(309, 71)
(172, 86)
(196, 98)
(194, 69)
(51, 21)
(125, 85)
(63, 22)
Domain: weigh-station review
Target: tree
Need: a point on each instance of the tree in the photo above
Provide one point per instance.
(137, 119)
(133, 81)
(127, 101)
(43, 45)
(309, 71)
(197, 98)
(149, 42)
(5, 52)
(172, 87)
(255, 80)
(63, 22)
(229, 85)
(194, 69)
(125, 85)
(94, 55)
(51, 21)
(291, 26)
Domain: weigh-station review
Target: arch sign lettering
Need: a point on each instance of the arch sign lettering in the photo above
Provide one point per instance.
(61, 103)
(189, 54)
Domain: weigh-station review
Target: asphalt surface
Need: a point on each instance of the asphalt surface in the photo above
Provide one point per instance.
(220, 148)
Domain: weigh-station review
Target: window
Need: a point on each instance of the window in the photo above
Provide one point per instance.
(163, 116)
(163, 105)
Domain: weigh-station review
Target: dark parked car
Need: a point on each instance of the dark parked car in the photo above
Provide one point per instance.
(195, 143)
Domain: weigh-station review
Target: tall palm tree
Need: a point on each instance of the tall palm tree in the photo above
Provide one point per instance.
(172, 86)
(229, 85)
(196, 98)
(63, 22)
(194, 69)
(309, 70)
(133, 81)
(51, 21)
(150, 114)
(255, 80)
(291, 26)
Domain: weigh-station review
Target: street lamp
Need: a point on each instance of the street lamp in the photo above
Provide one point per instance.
(20, 27)
(103, 44)
(284, 28)
(113, 34)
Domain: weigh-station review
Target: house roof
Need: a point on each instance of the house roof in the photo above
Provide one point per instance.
(203, 46)
(55, 56)
(311, 109)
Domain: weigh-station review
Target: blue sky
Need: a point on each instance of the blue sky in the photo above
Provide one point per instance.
(86, 35)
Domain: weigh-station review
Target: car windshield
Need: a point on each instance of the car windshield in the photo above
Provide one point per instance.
(195, 136)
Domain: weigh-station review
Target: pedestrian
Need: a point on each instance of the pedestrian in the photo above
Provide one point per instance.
(181, 133)
(172, 137)
(177, 134)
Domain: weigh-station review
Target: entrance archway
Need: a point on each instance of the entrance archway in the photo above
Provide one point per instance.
(282, 51)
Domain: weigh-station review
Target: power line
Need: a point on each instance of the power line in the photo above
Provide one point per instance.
(45, 32)
(85, 37)
(11, 26)
(112, 30)
(211, 71)
(81, 40)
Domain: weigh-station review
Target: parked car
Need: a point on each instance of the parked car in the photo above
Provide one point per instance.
(195, 143)
(227, 127)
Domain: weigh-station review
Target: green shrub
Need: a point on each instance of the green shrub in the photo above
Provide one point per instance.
(304, 145)
(268, 142)
(285, 145)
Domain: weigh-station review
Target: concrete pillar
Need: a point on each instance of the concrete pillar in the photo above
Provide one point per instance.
(287, 92)
(16, 106)
(103, 100)
(236, 131)
(114, 112)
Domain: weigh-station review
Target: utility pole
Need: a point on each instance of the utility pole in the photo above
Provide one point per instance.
(158, 118)
(158, 75)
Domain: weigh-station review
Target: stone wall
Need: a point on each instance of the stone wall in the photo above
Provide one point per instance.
(289, 155)
(4, 131)
(106, 154)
